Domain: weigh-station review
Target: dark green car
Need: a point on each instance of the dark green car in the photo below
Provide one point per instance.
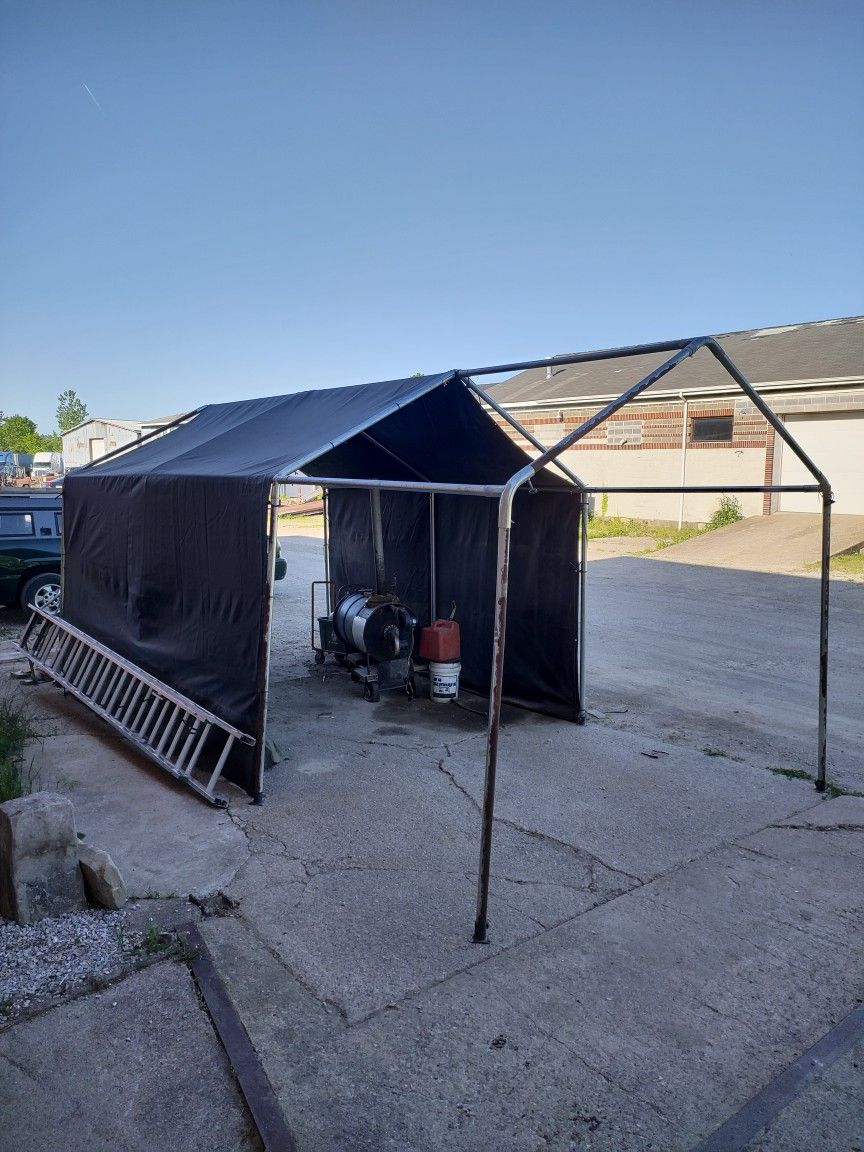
(31, 527)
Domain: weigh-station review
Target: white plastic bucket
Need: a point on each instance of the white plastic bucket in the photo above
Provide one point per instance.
(444, 681)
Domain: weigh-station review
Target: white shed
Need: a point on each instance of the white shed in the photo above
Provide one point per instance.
(98, 435)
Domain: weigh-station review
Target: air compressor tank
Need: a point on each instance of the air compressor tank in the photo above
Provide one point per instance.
(378, 626)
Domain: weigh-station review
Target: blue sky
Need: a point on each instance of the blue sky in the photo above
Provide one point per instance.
(264, 197)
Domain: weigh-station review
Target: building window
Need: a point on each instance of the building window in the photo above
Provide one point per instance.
(713, 429)
(16, 524)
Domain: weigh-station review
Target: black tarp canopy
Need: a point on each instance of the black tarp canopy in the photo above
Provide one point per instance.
(166, 545)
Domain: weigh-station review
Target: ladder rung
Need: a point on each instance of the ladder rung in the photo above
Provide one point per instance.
(182, 726)
(113, 679)
(199, 749)
(150, 716)
(100, 682)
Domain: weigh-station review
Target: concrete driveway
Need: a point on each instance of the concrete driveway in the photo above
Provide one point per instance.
(728, 660)
(669, 930)
(783, 542)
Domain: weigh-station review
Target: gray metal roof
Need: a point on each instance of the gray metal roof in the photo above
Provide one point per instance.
(827, 350)
(129, 425)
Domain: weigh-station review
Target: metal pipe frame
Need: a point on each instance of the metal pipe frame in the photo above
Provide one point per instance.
(264, 644)
(681, 350)
(400, 485)
(583, 581)
(706, 488)
(325, 505)
(378, 540)
(433, 562)
(514, 423)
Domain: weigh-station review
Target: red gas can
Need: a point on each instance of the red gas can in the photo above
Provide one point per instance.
(440, 641)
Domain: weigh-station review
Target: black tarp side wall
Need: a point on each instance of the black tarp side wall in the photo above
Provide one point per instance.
(540, 669)
(130, 586)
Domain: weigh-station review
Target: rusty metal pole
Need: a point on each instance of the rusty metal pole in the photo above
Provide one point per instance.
(433, 562)
(496, 688)
(481, 922)
(378, 541)
(264, 644)
(583, 581)
(822, 765)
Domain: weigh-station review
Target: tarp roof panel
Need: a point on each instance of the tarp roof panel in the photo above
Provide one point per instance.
(269, 436)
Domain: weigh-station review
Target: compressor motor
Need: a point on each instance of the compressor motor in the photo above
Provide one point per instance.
(381, 628)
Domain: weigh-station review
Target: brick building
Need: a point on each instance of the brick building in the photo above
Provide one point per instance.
(696, 427)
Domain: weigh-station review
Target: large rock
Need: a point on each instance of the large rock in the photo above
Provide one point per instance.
(39, 873)
(102, 878)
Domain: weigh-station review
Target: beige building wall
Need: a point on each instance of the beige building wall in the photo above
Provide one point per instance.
(604, 466)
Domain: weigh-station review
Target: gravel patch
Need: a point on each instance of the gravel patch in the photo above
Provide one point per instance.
(58, 955)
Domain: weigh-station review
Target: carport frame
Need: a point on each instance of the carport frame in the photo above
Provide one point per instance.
(505, 493)
(680, 350)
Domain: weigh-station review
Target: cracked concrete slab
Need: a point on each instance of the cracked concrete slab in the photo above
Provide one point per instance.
(159, 834)
(362, 876)
(844, 812)
(640, 814)
(135, 1067)
(641, 1024)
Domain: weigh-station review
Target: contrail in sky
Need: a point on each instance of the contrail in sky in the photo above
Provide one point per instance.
(93, 98)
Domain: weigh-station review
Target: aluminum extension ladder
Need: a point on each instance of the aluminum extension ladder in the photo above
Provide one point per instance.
(168, 728)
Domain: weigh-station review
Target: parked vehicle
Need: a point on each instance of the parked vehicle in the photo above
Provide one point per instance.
(15, 468)
(45, 466)
(31, 529)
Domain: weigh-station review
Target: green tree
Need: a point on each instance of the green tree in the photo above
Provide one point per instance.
(18, 434)
(71, 411)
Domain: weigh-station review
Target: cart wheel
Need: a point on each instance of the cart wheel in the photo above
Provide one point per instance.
(410, 687)
(339, 657)
(371, 692)
(319, 656)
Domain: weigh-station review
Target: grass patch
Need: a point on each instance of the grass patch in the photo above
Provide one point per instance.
(851, 565)
(792, 773)
(832, 787)
(315, 520)
(601, 527)
(16, 778)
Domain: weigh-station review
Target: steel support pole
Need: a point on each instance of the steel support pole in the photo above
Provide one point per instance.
(822, 766)
(481, 921)
(433, 591)
(378, 541)
(583, 583)
(264, 646)
(325, 507)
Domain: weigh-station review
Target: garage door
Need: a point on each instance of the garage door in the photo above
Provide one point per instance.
(835, 443)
